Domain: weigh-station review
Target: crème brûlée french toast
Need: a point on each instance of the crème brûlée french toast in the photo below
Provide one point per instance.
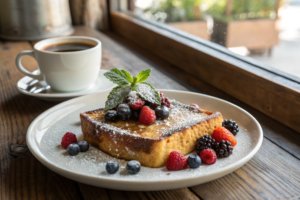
(149, 144)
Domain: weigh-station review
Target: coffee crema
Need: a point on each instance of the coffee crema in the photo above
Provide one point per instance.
(68, 47)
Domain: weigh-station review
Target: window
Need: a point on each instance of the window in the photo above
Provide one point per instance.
(266, 30)
(270, 90)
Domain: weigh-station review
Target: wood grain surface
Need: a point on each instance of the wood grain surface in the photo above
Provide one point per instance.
(273, 173)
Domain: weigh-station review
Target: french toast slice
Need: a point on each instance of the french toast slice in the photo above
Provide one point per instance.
(149, 144)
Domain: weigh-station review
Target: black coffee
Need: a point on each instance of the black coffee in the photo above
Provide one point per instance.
(68, 47)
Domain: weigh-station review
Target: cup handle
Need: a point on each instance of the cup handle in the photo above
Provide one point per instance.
(25, 71)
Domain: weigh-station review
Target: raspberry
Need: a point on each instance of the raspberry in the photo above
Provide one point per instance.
(137, 104)
(147, 115)
(67, 139)
(208, 156)
(176, 161)
(165, 101)
(134, 101)
(161, 95)
(221, 133)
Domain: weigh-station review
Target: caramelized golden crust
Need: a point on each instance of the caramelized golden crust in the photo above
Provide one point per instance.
(150, 152)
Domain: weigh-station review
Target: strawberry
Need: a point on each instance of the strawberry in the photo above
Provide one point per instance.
(208, 156)
(67, 139)
(147, 115)
(221, 133)
(176, 161)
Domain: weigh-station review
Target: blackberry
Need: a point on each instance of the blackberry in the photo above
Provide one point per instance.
(231, 126)
(204, 142)
(135, 114)
(223, 148)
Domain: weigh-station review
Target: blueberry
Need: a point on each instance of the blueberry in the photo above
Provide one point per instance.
(124, 111)
(162, 112)
(111, 115)
(84, 146)
(133, 167)
(194, 161)
(73, 149)
(135, 114)
(112, 167)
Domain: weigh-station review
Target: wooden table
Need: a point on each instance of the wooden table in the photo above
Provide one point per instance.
(273, 173)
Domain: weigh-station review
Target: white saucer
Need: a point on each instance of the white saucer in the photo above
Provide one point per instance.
(45, 133)
(41, 90)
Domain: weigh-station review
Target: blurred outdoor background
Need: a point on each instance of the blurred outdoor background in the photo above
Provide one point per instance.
(267, 30)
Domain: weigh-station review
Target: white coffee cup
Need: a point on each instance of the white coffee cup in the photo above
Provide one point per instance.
(65, 71)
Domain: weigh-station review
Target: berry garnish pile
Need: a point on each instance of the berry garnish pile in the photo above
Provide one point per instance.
(208, 148)
(135, 99)
(69, 142)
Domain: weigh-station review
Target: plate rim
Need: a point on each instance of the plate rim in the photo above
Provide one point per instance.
(61, 95)
(228, 169)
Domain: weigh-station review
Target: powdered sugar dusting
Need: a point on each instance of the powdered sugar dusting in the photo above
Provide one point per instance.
(132, 98)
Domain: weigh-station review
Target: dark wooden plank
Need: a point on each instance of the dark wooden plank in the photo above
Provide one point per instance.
(278, 133)
(22, 176)
(227, 73)
(91, 192)
(271, 174)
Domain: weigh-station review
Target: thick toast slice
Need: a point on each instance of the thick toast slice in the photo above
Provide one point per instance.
(149, 144)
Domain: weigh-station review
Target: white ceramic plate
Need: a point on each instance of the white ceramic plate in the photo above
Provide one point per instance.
(45, 133)
(41, 90)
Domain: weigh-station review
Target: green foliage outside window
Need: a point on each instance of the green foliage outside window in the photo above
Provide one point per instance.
(190, 10)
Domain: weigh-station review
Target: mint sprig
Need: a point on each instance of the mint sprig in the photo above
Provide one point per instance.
(119, 77)
(126, 83)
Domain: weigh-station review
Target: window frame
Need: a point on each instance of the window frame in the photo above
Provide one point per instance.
(271, 91)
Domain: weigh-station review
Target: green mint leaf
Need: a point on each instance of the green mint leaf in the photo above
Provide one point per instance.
(143, 75)
(117, 76)
(147, 92)
(134, 82)
(127, 75)
(117, 96)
